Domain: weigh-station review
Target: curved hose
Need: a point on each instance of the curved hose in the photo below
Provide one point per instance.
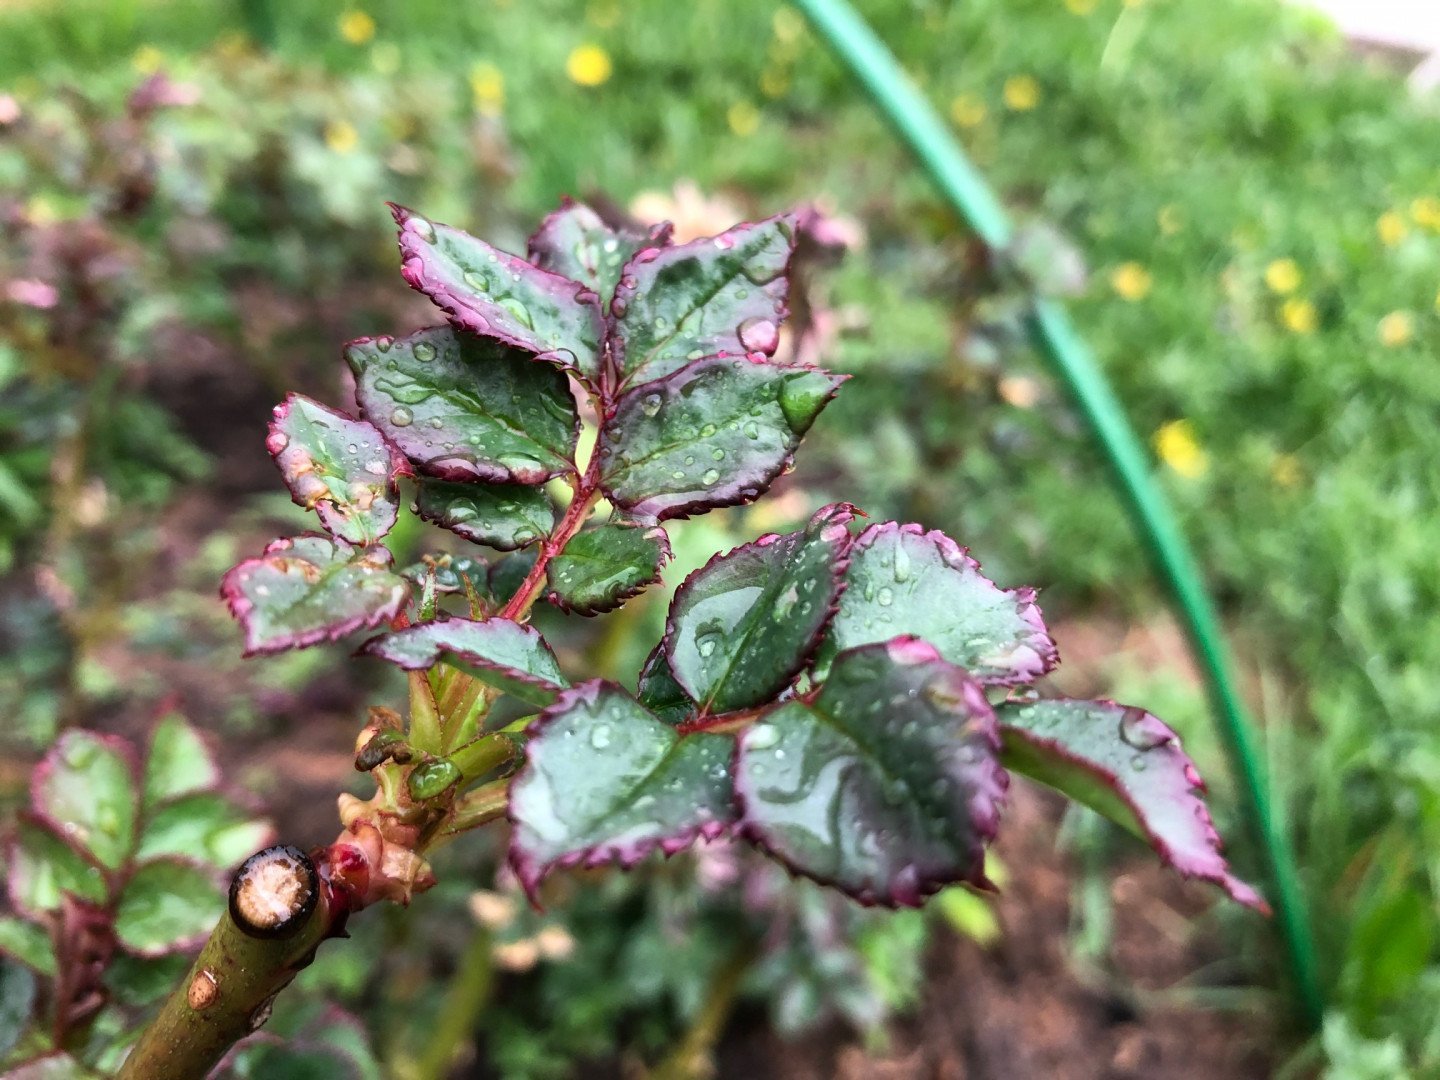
(1055, 337)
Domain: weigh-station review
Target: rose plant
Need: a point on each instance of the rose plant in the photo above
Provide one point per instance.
(849, 697)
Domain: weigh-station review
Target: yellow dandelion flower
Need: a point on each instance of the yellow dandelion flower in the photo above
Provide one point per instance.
(1426, 212)
(1299, 316)
(967, 110)
(1392, 228)
(147, 59)
(1021, 93)
(1396, 329)
(774, 82)
(1285, 471)
(1169, 220)
(743, 118)
(487, 83)
(787, 23)
(341, 136)
(1131, 281)
(588, 65)
(1283, 276)
(1177, 447)
(603, 14)
(1080, 7)
(356, 27)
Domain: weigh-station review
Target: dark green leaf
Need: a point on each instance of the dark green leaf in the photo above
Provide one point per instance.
(576, 244)
(715, 433)
(506, 654)
(85, 788)
(743, 625)
(42, 866)
(603, 567)
(307, 589)
(605, 781)
(501, 296)
(660, 693)
(509, 573)
(903, 580)
(720, 296)
(465, 408)
(206, 827)
(17, 994)
(341, 468)
(167, 905)
(179, 763)
(30, 944)
(886, 784)
(143, 980)
(501, 516)
(1123, 763)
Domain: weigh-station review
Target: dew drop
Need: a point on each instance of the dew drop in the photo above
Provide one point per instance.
(885, 597)
(758, 335)
(902, 564)
(401, 417)
(752, 430)
(383, 343)
(711, 475)
(478, 282)
(1139, 730)
(762, 737)
(421, 228)
(651, 405)
(600, 737)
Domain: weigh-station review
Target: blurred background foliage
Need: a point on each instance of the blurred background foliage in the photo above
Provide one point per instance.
(1245, 214)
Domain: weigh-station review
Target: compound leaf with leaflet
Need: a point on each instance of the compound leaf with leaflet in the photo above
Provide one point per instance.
(605, 781)
(885, 784)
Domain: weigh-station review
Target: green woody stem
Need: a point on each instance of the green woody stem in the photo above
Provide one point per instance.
(279, 913)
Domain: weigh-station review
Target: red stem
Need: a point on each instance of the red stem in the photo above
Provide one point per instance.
(587, 491)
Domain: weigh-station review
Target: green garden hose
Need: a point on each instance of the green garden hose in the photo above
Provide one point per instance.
(921, 129)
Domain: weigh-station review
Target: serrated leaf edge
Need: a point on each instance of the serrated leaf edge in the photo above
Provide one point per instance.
(666, 554)
(1040, 642)
(529, 871)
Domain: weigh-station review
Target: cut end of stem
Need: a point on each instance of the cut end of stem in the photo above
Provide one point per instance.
(274, 892)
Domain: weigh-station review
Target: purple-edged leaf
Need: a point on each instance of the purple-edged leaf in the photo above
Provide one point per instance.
(603, 567)
(904, 580)
(576, 244)
(605, 781)
(42, 867)
(714, 433)
(743, 625)
(465, 408)
(1126, 764)
(505, 654)
(660, 693)
(307, 589)
(720, 296)
(341, 468)
(180, 763)
(85, 788)
(886, 785)
(501, 296)
(206, 827)
(28, 943)
(167, 905)
(501, 516)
